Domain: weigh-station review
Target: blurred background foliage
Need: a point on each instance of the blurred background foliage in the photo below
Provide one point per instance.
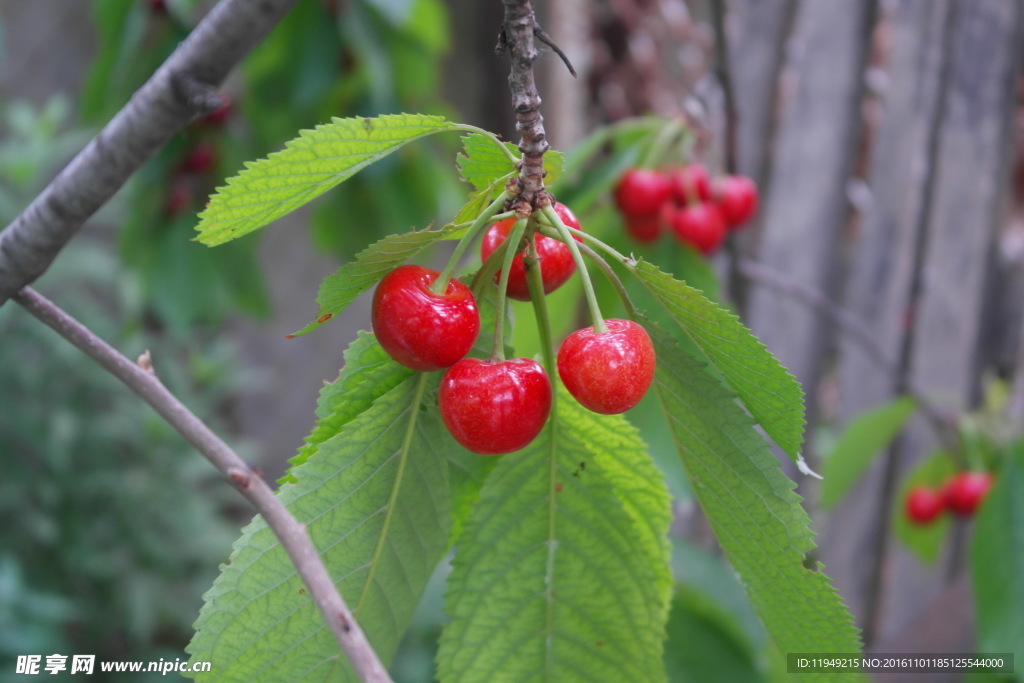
(114, 527)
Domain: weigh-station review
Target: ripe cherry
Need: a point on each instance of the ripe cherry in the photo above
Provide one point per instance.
(641, 192)
(418, 328)
(199, 160)
(556, 264)
(690, 184)
(495, 407)
(924, 504)
(699, 225)
(179, 198)
(607, 372)
(644, 229)
(966, 490)
(736, 196)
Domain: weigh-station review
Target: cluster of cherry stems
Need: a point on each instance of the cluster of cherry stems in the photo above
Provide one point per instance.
(685, 201)
(427, 321)
(961, 495)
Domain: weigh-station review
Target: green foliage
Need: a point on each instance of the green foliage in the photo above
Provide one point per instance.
(308, 166)
(862, 439)
(108, 545)
(997, 561)
(567, 533)
(750, 505)
(704, 644)
(562, 534)
(368, 374)
(112, 545)
(482, 163)
(926, 540)
(380, 509)
(769, 392)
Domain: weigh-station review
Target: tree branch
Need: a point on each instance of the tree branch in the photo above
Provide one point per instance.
(517, 34)
(724, 75)
(181, 89)
(292, 534)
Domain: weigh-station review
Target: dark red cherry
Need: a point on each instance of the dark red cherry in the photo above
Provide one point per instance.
(556, 262)
(699, 225)
(690, 184)
(495, 407)
(923, 504)
(418, 328)
(641, 192)
(608, 372)
(736, 196)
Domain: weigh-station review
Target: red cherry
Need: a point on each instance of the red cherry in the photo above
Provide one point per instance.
(966, 490)
(158, 6)
(179, 198)
(556, 264)
(641, 193)
(221, 114)
(200, 160)
(607, 372)
(495, 407)
(645, 229)
(690, 184)
(736, 196)
(923, 504)
(699, 225)
(418, 328)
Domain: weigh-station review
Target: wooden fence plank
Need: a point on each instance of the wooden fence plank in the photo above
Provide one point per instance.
(806, 210)
(980, 98)
(758, 36)
(882, 274)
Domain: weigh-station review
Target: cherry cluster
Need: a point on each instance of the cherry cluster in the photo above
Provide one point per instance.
(697, 209)
(494, 406)
(199, 161)
(961, 495)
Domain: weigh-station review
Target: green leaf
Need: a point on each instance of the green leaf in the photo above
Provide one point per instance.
(766, 388)
(924, 540)
(706, 644)
(997, 562)
(368, 374)
(381, 517)
(482, 164)
(562, 572)
(339, 289)
(751, 506)
(308, 166)
(478, 201)
(862, 439)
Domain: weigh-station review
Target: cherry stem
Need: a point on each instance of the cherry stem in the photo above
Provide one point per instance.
(535, 281)
(612, 277)
(514, 238)
(611, 251)
(487, 270)
(440, 285)
(564, 233)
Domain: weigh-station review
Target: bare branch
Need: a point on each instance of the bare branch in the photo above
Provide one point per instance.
(518, 30)
(181, 89)
(289, 531)
(543, 37)
(724, 75)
